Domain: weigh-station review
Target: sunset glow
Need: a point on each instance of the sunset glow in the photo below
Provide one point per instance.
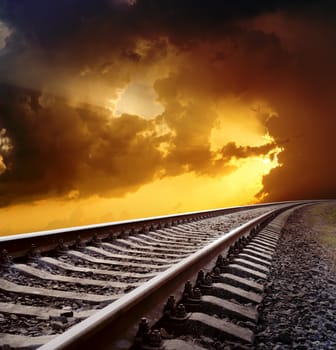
(126, 109)
(193, 193)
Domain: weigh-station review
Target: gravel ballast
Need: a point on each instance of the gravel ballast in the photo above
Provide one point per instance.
(299, 310)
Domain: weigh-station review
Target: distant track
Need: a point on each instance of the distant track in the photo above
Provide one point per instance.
(50, 282)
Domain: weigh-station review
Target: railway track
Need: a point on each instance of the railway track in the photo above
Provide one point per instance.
(59, 289)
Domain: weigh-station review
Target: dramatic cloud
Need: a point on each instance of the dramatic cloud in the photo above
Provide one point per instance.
(306, 107)
(57, 148)
(103, 97)
(51, 148)
(5, 33)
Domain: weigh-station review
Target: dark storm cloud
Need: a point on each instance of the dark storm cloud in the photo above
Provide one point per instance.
(50, 24)
(304, 100)
(232, 150)
(58, 148)
(70, 35)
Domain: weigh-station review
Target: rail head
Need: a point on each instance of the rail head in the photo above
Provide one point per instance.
(142, 297)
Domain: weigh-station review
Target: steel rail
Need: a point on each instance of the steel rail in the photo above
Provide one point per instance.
(18, 245)
(114, 326)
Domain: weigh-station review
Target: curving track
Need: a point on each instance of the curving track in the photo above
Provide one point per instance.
(46, 290)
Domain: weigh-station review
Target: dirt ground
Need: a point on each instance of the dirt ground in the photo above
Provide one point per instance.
(322, 220)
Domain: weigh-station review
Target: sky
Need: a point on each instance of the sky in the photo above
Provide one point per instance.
(119, 109)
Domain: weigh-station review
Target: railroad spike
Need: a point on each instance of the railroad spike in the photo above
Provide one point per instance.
(191, 295)
(187, 289)
(236, 247)
(143, 330)
(169, 307)
(204, 281)
(220, 262)
(197, 293)
(155, 338)
(216, 271)
(247, 238)
(153, 341)
(219, 259)
(33, 252)
(180, 312)
(208, 279)
(215, 274)
(241, 243)
(232, 250)
(200, 277)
